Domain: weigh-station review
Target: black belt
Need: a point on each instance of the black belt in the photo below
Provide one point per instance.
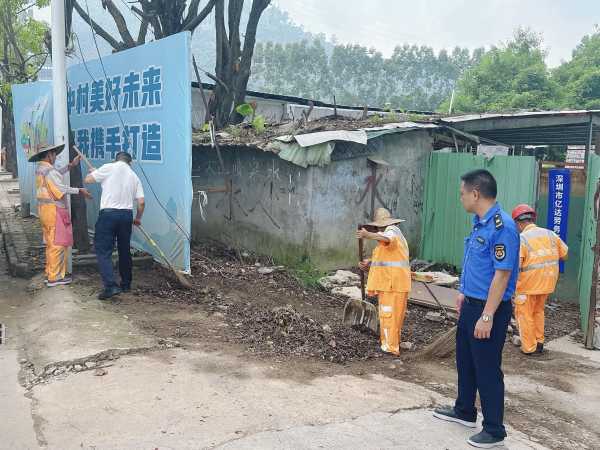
(475, 301)
(115, 210)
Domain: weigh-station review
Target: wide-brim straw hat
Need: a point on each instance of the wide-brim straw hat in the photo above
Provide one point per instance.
(383, 218)
(41, 153)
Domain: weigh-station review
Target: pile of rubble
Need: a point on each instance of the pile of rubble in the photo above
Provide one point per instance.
(285, 331)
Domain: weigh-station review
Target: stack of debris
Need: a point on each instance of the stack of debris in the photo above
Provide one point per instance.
(429, 289)
(344, 283)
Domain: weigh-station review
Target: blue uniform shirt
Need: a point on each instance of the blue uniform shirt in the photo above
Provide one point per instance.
(493, 244)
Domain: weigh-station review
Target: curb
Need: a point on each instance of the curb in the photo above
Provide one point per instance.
(15, 267)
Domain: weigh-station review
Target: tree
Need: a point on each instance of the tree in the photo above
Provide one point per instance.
(166, 17)
(412, 78)
(233, 62)
(22, 55)
(580, 77)
(299, 68)
(513, 76)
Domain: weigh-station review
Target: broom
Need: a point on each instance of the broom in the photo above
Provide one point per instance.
(182, 279)
(443, 347)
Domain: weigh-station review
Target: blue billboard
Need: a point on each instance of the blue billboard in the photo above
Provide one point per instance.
(139, 101)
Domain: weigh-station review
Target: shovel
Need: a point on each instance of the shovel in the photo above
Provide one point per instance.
(361, 312)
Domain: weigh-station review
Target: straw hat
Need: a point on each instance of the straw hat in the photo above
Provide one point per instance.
(383, 218)
(41, 153)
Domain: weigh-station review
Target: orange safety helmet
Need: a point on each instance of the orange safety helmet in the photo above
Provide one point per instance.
(523, 209)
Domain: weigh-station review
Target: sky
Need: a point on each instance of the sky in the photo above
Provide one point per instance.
(383, 24)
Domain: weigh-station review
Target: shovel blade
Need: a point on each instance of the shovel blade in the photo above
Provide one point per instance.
(358, 312)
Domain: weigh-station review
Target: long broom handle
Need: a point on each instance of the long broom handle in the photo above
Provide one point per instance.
(155, 245)
(85, 160)
(362, 274)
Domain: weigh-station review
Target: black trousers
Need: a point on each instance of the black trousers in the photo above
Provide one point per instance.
(479, 366)
(114, 225)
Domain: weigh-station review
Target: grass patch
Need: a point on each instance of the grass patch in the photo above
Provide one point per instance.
(306, 273)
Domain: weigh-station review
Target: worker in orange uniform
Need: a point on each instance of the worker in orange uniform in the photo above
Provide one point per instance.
(389, 276)
(541, 250)
(51, 195)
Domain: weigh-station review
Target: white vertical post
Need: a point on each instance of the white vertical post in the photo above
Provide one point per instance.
(59, 80)
(59, 88)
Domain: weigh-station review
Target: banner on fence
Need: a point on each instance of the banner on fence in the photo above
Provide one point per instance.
(559, 190)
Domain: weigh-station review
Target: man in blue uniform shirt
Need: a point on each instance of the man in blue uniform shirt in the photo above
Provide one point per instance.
(487, 283)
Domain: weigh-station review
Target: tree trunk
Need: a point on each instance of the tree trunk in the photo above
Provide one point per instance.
(8, 140)
(233, 63)
(81, 239)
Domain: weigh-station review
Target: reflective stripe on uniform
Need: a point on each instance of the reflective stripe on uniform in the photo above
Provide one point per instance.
(538, 266)
(526, 243)
(390, 264)
(535, 232)
(48, 201)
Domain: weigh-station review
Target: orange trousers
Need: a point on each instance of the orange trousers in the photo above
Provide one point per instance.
(392, 310)
(56, 256)
(530, 317)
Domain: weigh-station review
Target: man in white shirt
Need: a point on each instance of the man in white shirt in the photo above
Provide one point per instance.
(121, 188)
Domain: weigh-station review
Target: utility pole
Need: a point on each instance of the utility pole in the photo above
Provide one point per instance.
(59, 82)
(59, 90)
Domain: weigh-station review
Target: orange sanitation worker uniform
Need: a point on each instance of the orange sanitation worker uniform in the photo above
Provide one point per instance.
(51, 194)
(540, 252)
(389, 279)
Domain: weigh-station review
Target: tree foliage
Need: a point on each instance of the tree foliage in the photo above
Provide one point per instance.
(412, 78)
(22, 54)
(580, 77)
(512, 76)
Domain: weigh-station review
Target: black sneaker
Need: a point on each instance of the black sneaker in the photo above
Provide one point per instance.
(125, 288)
(540, 348)
(485, 440)
(533, 353)
(108, 293)
(448, 413)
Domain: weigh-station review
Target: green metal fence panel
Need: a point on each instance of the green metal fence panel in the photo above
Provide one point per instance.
(445, 224)
(588, 240)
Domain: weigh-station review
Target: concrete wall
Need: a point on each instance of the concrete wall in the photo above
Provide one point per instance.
(292, 213)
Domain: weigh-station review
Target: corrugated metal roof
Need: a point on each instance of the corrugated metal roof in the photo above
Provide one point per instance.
(307, 101)
(483, 116)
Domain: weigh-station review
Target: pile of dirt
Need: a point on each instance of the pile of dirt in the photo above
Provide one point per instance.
(270, 312)
(283, 331)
